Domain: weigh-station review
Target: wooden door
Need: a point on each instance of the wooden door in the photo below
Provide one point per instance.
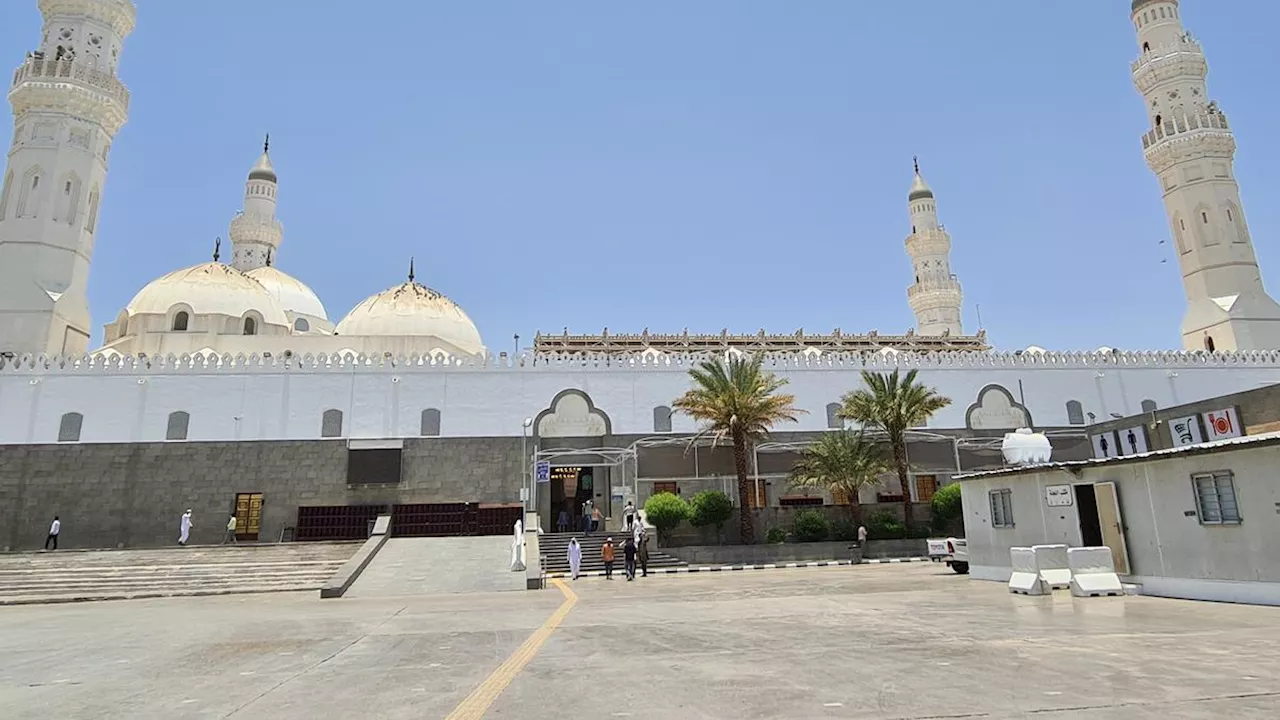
(1112, 525)
(248, 516)
(926, 487)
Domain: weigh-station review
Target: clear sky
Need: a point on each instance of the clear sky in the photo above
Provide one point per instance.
(715, 164)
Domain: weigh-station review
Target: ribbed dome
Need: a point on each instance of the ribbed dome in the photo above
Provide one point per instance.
(208, 289)
(413, 310)
(290, 292)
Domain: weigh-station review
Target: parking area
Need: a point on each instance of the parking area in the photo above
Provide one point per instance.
(886, 641)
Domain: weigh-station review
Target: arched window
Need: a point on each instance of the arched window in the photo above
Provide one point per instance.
(4, 194)
(834, 421)
(180, 321)
(1180, 235)
(29, 196)
(1149, 406)
(662, 419)
(178, 423)
(250, 326)
(1146, 47)
(331, 424)
(430, 422)
(92, 223)
(69, 428)
(301, 325)
(1075, 413)
(67, 208)
(1208, 343)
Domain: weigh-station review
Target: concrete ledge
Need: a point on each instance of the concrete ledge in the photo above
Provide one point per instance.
(764, 554)
(351, 569)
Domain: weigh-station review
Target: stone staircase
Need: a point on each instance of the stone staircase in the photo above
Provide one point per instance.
(555, 546)
(79, 575)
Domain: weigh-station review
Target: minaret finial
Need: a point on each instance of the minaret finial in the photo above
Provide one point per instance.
(217, 248)
(266, 144)
(915, 160)
(410, 269)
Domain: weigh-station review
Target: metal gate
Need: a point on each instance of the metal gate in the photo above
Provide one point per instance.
(453, 519)
(341, 522)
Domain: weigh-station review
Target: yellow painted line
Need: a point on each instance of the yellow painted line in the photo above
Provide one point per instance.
(475, 704)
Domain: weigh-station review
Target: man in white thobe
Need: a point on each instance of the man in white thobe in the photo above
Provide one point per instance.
(184, 528)
(575, 558)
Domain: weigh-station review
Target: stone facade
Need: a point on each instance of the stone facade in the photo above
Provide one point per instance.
(132, 495)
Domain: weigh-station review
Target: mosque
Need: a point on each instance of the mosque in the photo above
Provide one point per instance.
(236, 350)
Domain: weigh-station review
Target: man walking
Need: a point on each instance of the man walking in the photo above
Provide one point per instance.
(184, 528)
(629, 557)
(231, 531)
(597, 518)
(606, 554)
(643, 553)
(54, 529)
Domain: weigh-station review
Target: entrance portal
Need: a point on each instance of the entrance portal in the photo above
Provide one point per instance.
(1101, 524)
(248, 516)
(571, 487)
(1087, 509)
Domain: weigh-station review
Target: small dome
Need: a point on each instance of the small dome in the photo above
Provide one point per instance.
(262, 170)
(208, 289)
(413, 310)
(290, 292)
(919, 189)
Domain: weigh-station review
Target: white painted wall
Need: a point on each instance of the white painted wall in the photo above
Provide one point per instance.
(265, 400)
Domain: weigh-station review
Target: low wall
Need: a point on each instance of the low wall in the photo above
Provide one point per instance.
(896, 548)
(763, 554)
(350, 571)
(686, 535)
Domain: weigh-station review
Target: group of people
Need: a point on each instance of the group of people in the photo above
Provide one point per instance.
(592, 519)
(635, 548)
(184, 531)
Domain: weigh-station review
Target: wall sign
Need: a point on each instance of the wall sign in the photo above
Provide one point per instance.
(1104, 445)
(1222, 424)
(1185, 431)
(1057, 495)
(1133, 440)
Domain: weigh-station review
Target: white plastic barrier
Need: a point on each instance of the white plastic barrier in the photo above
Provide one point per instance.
(1051, 562)
(1093, 573)
(1025, 578)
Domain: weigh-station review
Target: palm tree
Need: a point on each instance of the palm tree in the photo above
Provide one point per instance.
(738, 400)
(841, 462)
(893, 405)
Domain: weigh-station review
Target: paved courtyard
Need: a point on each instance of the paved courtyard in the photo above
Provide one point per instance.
(887, 641)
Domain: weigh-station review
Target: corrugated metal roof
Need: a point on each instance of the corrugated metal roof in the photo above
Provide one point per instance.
(1270, 438)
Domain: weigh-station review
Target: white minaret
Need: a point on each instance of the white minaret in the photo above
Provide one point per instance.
(935, 295)
(68, 106)
(1190, 149)
(255, 232)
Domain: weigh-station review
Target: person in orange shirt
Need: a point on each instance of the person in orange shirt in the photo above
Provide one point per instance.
(606, 554)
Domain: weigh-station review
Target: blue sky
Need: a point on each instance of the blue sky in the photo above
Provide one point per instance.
(711, 164)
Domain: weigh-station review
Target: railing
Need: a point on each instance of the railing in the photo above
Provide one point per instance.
(1205, 120)
(1161, 52)
(245, 227)
(933, 285)
(81, 73)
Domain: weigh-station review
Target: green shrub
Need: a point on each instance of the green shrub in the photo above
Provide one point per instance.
(810, 526)
(710, 508)
(665, 511)
(948, 513)
(844, 530)
(884, 525)
(775, 536)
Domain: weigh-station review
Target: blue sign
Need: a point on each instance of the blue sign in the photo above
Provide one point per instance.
(542, 471)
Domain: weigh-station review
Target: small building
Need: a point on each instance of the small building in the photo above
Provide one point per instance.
(1199, 521)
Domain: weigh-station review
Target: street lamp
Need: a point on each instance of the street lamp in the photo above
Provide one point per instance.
(524, 462)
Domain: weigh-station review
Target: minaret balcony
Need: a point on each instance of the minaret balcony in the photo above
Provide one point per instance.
(927, 288)
(1164, 52)
(40, 72)
(248, 229)
(1185, 125)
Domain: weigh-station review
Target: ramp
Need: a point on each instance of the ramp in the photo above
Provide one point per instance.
(438, 566)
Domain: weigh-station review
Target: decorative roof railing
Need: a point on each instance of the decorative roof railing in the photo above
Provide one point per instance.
(107, 364)
(1174, 126)
(69, 71)
(836, 341)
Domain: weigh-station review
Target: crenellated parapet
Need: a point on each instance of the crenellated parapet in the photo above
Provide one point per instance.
(885, 360)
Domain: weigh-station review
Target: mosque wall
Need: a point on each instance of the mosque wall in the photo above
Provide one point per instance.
(255, 399)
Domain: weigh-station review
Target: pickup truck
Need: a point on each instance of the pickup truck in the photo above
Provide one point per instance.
(952, 551)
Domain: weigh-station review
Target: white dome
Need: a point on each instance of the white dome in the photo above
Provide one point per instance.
(208, 289)
(413, 310)
(290, 292)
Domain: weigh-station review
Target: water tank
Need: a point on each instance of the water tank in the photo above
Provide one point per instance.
(1024, 447)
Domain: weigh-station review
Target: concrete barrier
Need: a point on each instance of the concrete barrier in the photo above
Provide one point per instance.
(351, 569)
(1051, 562)
(1093, 573)
(1025, 579)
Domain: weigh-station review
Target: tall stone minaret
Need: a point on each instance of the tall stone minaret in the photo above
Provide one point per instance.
(255, 232)
(1190, 149)
(935, 295)
(68, 106)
